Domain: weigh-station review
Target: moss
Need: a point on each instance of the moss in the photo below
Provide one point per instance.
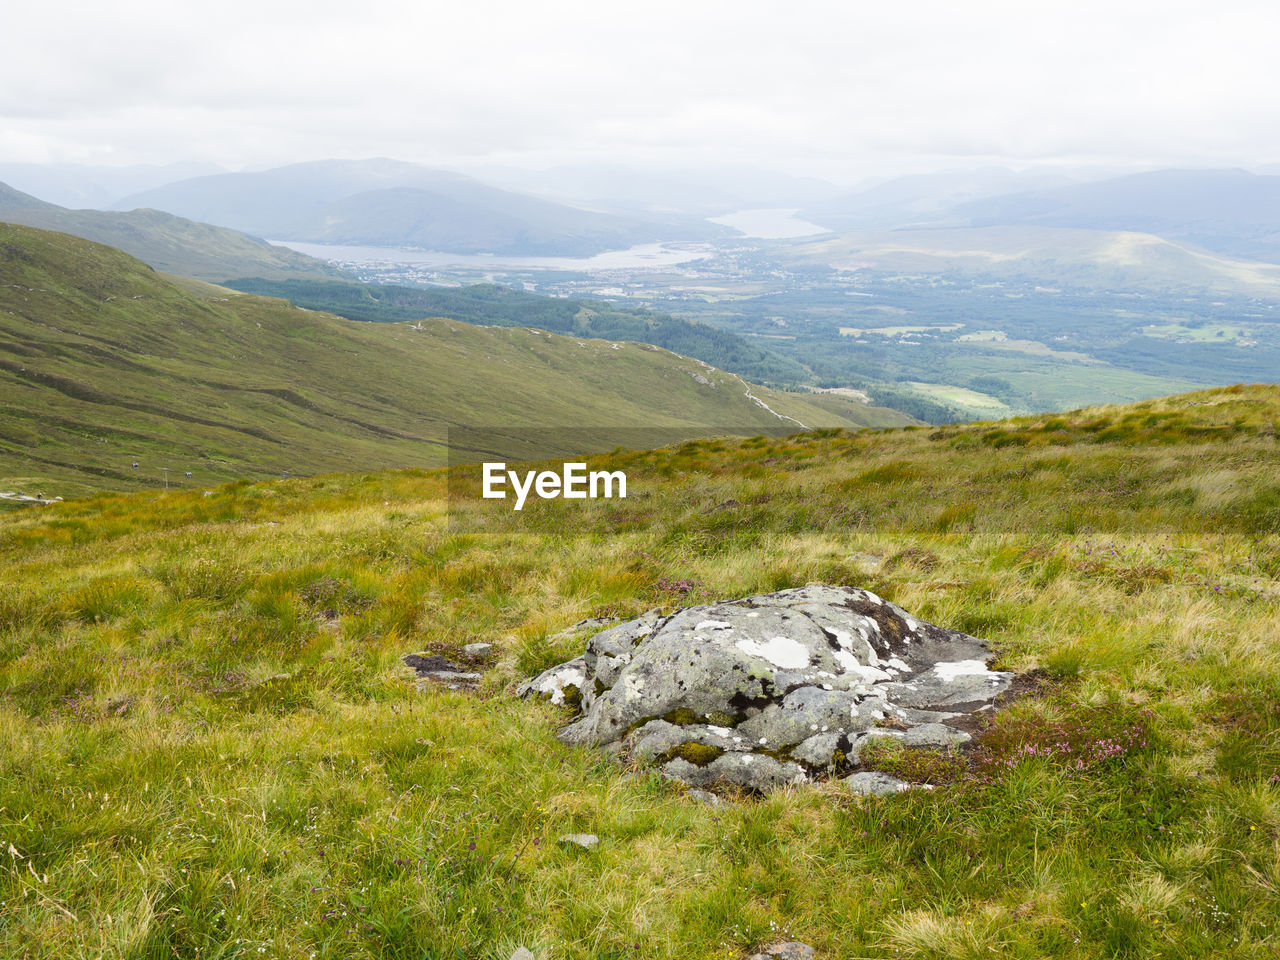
(912, 765)
(682, 717)
(722, 719)
(572, 696)
(699, 754)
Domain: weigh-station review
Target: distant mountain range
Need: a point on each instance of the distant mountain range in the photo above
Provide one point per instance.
(80, 185)
(386, 202)
(1071, 257)
(916, 198)
(166, 242)
(1227, 211)
(1231, 212)
(705, 192)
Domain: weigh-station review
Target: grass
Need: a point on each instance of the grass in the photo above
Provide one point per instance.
(104, 364)
(1198, 333)
(212, 749)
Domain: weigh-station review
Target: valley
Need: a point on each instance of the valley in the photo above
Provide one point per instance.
(113, 376)
(1063, 327)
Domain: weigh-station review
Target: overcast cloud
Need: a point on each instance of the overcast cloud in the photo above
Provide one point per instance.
(837, 89)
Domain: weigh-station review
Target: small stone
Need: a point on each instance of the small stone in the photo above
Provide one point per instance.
(522, 953)
(934, 735)
(478, 651)
(875, 784)
(705, 796)
(791, 950)
(587, 841)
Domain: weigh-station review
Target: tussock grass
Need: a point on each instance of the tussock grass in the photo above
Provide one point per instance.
(211, 748)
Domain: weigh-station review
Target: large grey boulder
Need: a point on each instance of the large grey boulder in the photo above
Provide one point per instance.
(770, 690)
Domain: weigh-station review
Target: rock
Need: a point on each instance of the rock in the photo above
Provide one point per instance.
(754, 771)
(872, 783)
(705, 796)
(792, 950)
(522, 953)
(587, 841)
(769, 690)
(820, 749)
(562, 684)
(477, 651)
(934, 735)
(438, 669)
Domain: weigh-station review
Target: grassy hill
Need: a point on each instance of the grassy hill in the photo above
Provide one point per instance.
(167, 242)
(1080, 258)
(1232, 212)
(488, 303)
(210, 738)
(105, 363)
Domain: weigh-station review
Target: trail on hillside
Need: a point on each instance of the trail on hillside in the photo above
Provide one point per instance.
(761, 403)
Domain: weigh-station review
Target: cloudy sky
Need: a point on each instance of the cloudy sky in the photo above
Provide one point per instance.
(842, 89)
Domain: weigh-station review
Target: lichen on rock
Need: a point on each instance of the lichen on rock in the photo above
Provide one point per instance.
(771, 690)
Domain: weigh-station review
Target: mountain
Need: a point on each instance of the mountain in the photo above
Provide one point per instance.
(702, 192)
(84, 185)
(914, 198)
(104, 363)
(166, 242)
(1075, 256)
(386, 202)
(1232, 212)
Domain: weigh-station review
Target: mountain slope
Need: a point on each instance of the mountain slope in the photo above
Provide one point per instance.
(488, 303)
(166, 242)
(392, 203)
(1228, 211)
(1080, 258)
(920, 197)
(103, 363)
(79, 185)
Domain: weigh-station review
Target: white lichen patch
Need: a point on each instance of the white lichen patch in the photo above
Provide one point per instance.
(782, 652)
(952, 670)
(870, 674)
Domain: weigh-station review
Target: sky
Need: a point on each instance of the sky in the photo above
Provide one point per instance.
(842, 90)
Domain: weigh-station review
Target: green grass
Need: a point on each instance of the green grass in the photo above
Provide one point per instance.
(104, 363)
(212, 749)
(1043, 383)
(488, 304)
(1199, 333)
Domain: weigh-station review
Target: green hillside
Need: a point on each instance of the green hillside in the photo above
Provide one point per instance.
(212, 748)
(167, 242)
(105, 363)
(488, 303)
